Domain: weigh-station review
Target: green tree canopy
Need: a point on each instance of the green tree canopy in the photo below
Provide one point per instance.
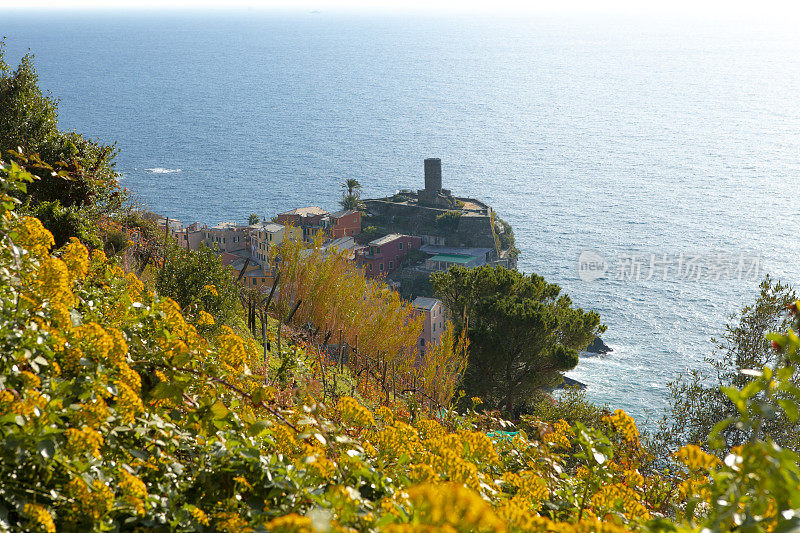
(697, 401)
(253, 219)
(523, 332)
(351, 187)
(71, 169)
(198, 281)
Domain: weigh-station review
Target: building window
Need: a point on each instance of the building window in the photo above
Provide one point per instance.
(223, 240)
(391, 265)
(422, 342)
(400, 245)
(369, 267)
(381, 266)
(434, 327)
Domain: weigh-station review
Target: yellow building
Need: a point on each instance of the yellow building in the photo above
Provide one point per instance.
(267, 234)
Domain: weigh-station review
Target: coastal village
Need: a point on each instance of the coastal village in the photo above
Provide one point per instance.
(401, 239)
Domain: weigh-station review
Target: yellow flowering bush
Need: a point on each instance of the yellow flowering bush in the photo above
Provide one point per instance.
(117, 413)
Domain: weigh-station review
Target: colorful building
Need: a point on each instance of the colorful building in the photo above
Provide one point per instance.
(254, 276)
(384, 255)
(225, 236)
(344, 223)
(265, 235)
(433, 326)
(308, 219)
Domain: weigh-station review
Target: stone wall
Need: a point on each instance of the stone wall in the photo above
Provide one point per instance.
(473, 230)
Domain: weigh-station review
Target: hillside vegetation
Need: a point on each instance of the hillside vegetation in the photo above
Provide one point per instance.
(119, 412)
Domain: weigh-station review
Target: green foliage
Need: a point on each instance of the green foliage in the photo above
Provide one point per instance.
(252, 219)
(351, 195)
(66, 222)
(70, 168)
(351, 187)
(415, 256)
(569, 404)
(697, 401)
(522, 331)
(198, 281)
(448, 221)
(352, 202)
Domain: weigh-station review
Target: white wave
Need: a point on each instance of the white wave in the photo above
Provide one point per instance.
(159, 170)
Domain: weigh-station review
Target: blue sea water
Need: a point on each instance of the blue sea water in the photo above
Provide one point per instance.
(620, 136)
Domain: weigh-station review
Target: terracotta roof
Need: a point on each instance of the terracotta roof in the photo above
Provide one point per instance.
(387, 239)
(306, 211)
(342, 213)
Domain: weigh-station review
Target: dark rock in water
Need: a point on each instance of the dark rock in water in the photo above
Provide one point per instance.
(569, 382)
(598, 346)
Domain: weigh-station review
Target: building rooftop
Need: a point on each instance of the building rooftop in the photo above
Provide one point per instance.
(271, 227)
(342, 244)
(451, 250)
(423, 302)
(386, 239)
(453, 258)
(226, 225)
(342, 213)
(306, 211)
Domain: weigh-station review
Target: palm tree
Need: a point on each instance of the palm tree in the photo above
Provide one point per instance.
(352, 202)
(352, 186)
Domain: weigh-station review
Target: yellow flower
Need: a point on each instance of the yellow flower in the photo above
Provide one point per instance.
(6, 401)
(53, 283)
(84, 440)
(33, 236)
(558, 436)
(243, 482)
(228, 522)
(129, 404)
(453, 505)
(94, 413)
(76, 257)
(95, 342)
(92, 504)
(211, 289)
(621, 497)
(353, 412)
(204, 319)
(290, 523)
(232, 349)
(39, 518)
(133, 490)
(199, 516)
(695, 458)
(625, 425)
(30, 380)
(385, 414)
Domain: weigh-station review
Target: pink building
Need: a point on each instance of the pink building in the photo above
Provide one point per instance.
(383, 256)
(434, 321)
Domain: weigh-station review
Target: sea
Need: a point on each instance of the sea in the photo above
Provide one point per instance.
(648, 165)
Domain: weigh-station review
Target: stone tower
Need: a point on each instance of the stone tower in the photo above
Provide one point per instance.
(433, 195)
(433, 175)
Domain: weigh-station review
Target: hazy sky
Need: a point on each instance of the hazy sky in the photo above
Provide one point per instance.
(762, 8)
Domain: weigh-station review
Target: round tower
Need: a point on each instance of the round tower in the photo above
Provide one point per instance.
(433, 175)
